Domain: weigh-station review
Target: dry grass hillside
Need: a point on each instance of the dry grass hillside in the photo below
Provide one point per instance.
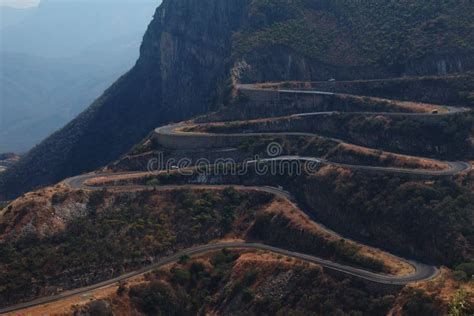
(59, 238)
(256, 283)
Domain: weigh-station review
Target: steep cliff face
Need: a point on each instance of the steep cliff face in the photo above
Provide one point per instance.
(192, 47)
(183, 57)
(187, 47)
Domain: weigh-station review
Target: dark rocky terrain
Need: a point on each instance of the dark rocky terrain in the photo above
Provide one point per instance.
(199, 47)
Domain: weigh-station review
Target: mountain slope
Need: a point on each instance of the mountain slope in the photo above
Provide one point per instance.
(347, 39)
(39, 95)
(191, 47)
(57, 58)
(150, 94)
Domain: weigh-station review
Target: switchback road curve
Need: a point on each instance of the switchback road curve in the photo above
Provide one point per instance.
(453, 167)
(422, 271)
(179, 138)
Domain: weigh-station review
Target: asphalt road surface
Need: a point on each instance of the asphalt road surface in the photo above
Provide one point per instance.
(422, 271)
(453, 167)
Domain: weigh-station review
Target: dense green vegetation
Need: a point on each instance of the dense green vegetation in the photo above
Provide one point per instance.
(453, 90)
(444, 137)
(303, 145)
(419, 303)
(277, 230)
(381, 32)
(464, 271)
(123, 232)
(430, 220)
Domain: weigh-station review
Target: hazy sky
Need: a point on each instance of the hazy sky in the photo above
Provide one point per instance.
(34, 3)
(19, 3)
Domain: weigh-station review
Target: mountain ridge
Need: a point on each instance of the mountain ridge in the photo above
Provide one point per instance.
(190, 50)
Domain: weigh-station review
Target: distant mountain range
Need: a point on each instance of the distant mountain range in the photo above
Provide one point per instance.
(57, 58)
(194, 50)
(40, 94)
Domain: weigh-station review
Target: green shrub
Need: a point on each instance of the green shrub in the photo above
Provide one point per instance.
(460, 305)
(153, 182)
(460, 275)
(184, 259)
(121, 288)
(59, 197)
(240, 99)
(155, 298)
(250, 277)
(419, 304)
(247, 295)
(467, 268)
(223, 257)
(180, 276)
(96, 198)
(196, 268)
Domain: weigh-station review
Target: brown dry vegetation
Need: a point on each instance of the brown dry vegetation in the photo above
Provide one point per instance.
(415, 107)
(402, 106)
(446, 296)
(301, 222)
(43, 221)
(350, 151)
(44, 212)
(260, 282)
(111, 179)
(282, 207)
(342, 153)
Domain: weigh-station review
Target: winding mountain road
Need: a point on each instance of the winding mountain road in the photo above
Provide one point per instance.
(453, 167)
(422, 271)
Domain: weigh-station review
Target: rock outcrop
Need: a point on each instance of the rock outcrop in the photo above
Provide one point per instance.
(183, 58)
(193, 49)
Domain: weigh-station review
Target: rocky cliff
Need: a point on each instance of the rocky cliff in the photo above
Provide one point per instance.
(193, 48)
(183, 58)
